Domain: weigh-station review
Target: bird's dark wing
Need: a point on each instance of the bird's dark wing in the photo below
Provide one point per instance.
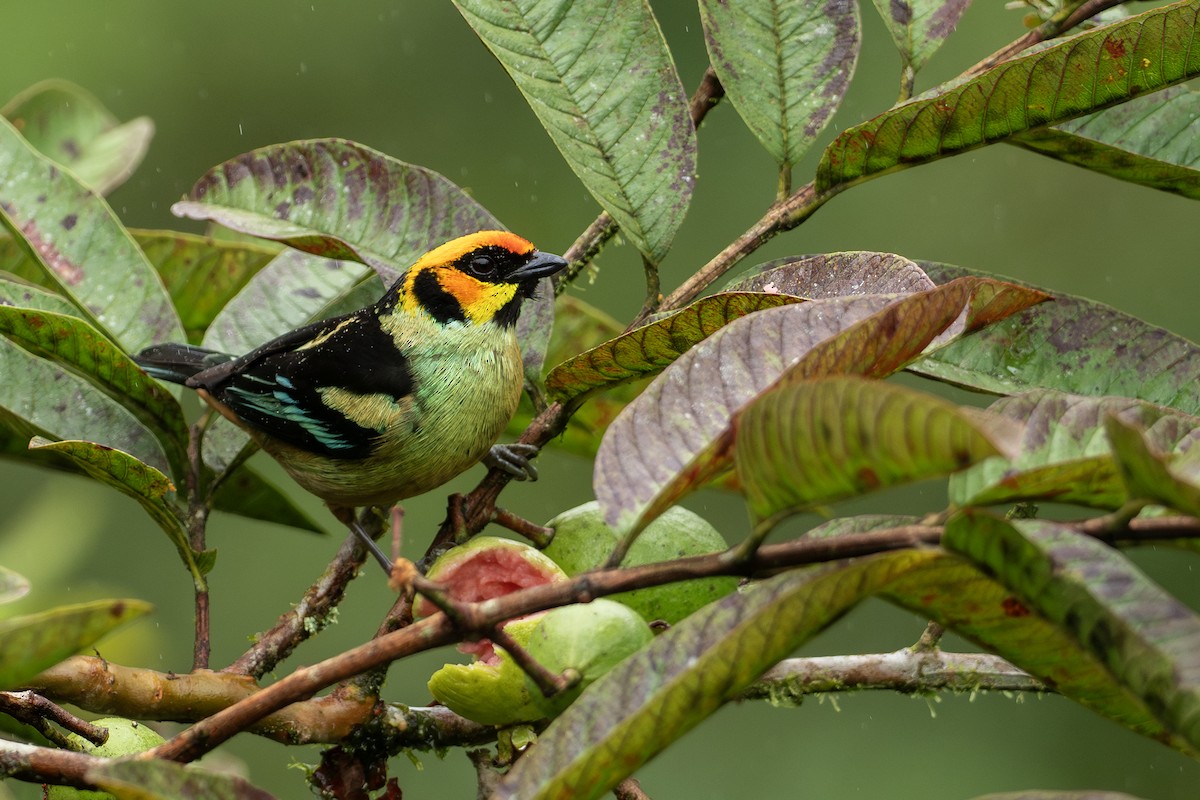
(281, 388)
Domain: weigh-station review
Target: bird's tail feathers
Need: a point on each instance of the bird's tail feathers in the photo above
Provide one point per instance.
(178, 362)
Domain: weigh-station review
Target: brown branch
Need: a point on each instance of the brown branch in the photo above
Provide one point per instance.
(35, 764)
(37, 712)
(629, 789)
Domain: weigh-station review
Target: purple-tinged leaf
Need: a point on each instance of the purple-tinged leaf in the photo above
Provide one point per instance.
(1082, 74)
(834, 275)
(1148, 470)
(785, 65)
(1073, 345)
(600, 79)
(337, 199)
(678, 432)
(81, 247)
(70, 126)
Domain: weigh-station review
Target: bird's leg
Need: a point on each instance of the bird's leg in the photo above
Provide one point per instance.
(346, 516)
(514, 459)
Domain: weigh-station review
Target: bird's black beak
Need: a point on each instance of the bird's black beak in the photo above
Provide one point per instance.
(540, 265)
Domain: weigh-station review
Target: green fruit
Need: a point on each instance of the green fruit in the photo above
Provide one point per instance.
(125, 737)
(490, 692)
(487, 567)
(582, 541)
(590, 638)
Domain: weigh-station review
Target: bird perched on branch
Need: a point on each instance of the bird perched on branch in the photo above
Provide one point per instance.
(392, 400)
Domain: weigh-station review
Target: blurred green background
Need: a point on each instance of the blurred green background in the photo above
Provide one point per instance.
(221, 77)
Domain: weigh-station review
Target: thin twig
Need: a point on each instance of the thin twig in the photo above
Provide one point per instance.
(36, 711)
(1064, 20)
(629, 789)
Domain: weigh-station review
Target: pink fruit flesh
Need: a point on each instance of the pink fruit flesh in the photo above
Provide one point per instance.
(487, 574)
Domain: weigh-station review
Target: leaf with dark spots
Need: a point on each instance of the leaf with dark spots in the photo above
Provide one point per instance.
(918, 27)
(969, 600)
(1148, 641)
(1147, 141)
(201, 274)
(24, 295)
(678, 432)
(76, 345)
(1064, 454)
(35, 642)
(649, 349)
(1080, 75)
(600, 79)
(784, 65)
(1073, 345)
(803, 445)
(834, 275)
(96, 263)
(70, 126)
(52, 401)
(134, 478)
(342, 200)
(655, 696)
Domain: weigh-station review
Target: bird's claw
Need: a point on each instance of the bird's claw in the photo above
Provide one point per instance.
(514, 459)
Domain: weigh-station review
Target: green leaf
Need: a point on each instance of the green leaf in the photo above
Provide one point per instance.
(248, 494)
(600, 79)
(953, 591)
(15, 292)
(535, 326)
(1148, 641)
(1082, 74)
(13, 586)
(70, 126)
(1073, 345)
(1064, 455)
(664, 690)
(651, 348)
(785, 65)
(678, 432)
(918, 27)
(201, 273)
(1147, 470)
(814, 442)
(82, 247)
(34, 642)
(166, 780)
(337, 199)
(145, 484)
(53, 402)
(76, 345)
(1146, 141)
(834, 275)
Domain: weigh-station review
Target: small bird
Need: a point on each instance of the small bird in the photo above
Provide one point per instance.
(394, 399)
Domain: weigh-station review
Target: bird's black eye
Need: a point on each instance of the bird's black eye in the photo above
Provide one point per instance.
(481, 266)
